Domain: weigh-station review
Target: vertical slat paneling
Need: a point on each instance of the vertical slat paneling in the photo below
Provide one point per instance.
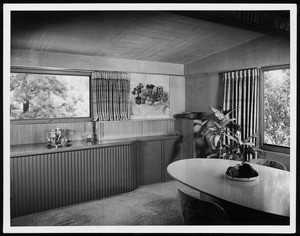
(105, 171)
(82, 176)
(42, 182)
(25, 182)
(76, 176)
(38, 179)
(12, 185)
(52, 186)
(35, 186)
(90, 176)
(59, 181)
(98, 174)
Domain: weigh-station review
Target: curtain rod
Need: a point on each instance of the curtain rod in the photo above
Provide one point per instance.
(254, 67)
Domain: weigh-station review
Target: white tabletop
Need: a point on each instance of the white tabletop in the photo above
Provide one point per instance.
(270, 192)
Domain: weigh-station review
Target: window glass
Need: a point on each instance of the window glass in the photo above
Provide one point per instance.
(38, 96)
(277, 107)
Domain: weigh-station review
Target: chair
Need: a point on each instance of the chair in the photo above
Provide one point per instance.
(198, 212)
(270, 163)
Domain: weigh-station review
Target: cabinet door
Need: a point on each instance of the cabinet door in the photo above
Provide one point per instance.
(171, 153)
(150, 162)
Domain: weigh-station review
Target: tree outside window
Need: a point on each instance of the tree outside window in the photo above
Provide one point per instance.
(38, 96)
(276, 107)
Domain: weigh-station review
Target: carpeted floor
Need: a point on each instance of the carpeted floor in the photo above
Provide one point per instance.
(155, 204)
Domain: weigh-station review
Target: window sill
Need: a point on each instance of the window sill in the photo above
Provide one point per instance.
(275, 148)
(50, 121)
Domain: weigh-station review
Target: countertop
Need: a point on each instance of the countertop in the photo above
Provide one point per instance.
(41, 148)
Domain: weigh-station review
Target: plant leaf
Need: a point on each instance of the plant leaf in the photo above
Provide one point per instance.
(197, 128)
(228, 146)
(206, 133)
(231, 137)
(218, 113)
(212, 142)
(204, 122)
(230, 111)
(198, 122)
(247, 144)
(226, 122)
(249, 138)
(213, 129)
(216, 140)
(234, 126)
(233, 134)
(212, 155)
(217, 124)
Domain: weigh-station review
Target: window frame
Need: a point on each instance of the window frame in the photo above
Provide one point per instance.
(54, 72)
(262, 145)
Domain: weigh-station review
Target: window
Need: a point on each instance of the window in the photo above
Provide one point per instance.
(275, 109)
(47, 96)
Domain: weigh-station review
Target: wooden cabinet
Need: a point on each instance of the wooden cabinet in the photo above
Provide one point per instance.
(171, 152)
(46, 179)
(154, 156)
(150, 162)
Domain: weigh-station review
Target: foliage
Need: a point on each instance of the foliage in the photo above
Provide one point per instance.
(277, 108)
(241, 148)
(41, 96)
(224, 128)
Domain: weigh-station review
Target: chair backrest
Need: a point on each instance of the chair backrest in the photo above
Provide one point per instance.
(270, 163)
(198, 212)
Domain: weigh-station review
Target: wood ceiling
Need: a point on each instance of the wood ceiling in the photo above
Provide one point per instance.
(139, 35)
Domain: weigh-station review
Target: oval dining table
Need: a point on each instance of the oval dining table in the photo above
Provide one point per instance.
(268, 193)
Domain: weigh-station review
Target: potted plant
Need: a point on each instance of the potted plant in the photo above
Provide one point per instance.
(239, 149)
(225, 127)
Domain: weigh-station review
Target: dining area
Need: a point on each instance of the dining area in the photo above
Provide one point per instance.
(235, 170)
(137, 119)
(260, 200)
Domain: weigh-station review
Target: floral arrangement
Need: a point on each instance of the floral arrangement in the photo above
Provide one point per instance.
(225, 127)
(151, 95)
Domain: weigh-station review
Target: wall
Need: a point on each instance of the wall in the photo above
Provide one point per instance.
(134, 128)
(203, 83)
(176, 89)
(202, 91)
(90, 63)
(36, 133)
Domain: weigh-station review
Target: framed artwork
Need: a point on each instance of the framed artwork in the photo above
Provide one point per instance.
(149, 96)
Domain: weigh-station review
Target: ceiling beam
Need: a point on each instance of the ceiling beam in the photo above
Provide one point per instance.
(222, 17)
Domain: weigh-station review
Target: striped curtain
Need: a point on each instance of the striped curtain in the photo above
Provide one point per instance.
(110, 95)
(241, 92)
